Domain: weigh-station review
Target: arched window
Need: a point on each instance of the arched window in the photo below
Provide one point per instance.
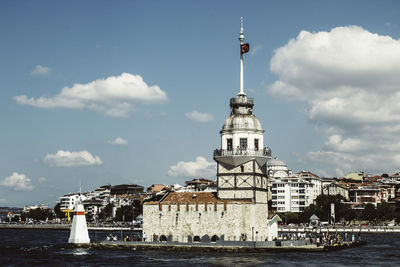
(214, 238)
(196, 238)
(163, 238)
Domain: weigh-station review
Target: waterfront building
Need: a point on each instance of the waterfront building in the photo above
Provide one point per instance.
(365, 194)
(127, 189)
(93, 206)
(373, 193)
(314, 179)
(102, 192)
(278, 169)
(28, 208)
(201, 184)
(95, 201)
(67, 202)
(395, 177)
(292, 194)
(238, 210)
(123, 200)
(334, 188)
(155, 188)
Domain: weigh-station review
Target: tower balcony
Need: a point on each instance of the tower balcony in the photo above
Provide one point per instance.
(236, 157)
(242, 152)
(241, 101)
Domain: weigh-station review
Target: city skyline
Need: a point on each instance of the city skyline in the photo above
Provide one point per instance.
(136, 92)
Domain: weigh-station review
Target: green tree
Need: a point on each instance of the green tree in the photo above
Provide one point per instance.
(57, 211)
(124, 213)
(40, 214)
(106, 213)
(137, 208)
(369, 212)
(129, 212)
(290, 217)
(322, 208)
(385, 212)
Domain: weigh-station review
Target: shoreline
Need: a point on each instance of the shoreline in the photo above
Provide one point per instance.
(63, 227)
(214, 247)
(341, 229)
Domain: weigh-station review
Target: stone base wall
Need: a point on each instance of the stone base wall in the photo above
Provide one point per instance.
(194, 222)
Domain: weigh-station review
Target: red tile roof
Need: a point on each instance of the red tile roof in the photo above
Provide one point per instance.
(195, 197)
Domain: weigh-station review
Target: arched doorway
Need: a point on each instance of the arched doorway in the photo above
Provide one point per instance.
(214, 238)
(163, 238)
(196, 238)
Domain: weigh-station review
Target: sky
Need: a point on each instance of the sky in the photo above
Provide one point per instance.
(112, 92)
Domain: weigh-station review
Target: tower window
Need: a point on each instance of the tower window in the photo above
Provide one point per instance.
(243, 143)
(242, 168)
(229, 144)
(256, 144)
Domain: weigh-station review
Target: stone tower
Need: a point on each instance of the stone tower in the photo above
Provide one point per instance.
(242, 159)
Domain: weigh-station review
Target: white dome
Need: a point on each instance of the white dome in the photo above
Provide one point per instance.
(242, 122)
(275, 162)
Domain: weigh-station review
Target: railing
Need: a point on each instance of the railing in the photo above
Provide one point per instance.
(239, 100)
(240, 152)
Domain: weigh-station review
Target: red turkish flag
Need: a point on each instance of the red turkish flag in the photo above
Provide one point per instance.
(244, 48)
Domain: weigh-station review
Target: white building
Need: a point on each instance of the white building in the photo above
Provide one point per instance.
(334, 188)
(28, 208)
(99, 193)
(292, 193)
(317, 182)
(67, 202)
(278, 169)
(238, 211)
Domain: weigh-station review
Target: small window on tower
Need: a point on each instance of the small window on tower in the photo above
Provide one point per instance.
(242, 168)
(256, 144)
(229, 144)
(243, 143)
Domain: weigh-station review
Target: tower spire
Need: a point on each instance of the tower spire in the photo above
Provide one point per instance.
(241, 36)
(241, 39)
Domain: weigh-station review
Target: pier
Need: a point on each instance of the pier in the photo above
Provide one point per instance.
(341, 229)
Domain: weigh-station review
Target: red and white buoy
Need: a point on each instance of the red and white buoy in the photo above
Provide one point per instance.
(79, 232)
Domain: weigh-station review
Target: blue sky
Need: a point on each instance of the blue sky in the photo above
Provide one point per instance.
(158, 75)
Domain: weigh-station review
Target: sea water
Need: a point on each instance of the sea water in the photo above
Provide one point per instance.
(47, 248)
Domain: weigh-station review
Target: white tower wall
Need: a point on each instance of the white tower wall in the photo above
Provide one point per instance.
(79, 232)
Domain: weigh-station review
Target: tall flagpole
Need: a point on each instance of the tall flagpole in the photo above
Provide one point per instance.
(241, 39)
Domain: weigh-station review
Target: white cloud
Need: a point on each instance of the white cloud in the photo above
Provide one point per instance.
(3, 200)
(114, 96)
(42, 180)
(199, 168)
(40, 70)
(118, 141)
(18, 182)
(199, 117)
(72, 159)
(349, 77)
